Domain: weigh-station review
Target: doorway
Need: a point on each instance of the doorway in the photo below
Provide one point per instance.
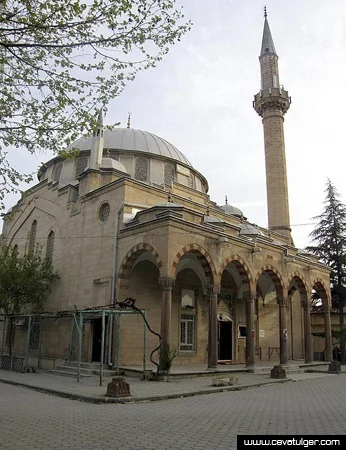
(97, 339)
(225, 333)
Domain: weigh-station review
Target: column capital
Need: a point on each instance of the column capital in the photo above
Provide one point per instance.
(212, 290)
(249, 296)
(282, 301)
(166, 283)
(304, 302)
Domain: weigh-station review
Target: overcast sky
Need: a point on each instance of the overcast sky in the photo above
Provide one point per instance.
(200, 99)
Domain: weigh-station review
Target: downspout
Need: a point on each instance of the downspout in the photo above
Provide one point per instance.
(114, 274)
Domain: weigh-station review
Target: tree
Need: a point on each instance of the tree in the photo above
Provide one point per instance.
(330, 237)
(25, 281)
(61, 60)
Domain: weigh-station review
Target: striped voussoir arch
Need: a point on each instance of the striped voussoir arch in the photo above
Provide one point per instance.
(319, 286)
(132, 255)
(275, 276)
(301, 283)
(204, 259)
(241, 267)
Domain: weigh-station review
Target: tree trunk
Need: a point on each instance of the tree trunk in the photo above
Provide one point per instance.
(10, 337)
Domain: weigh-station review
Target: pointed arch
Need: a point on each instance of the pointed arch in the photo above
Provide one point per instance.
(131, 257)
(32, 237)
(275, 276)
(300, 282)
(242, 268)
(320, 287)
(204, 259)
(50, 245)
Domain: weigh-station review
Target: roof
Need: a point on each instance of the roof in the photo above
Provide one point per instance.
(129, 139)
(267, 40)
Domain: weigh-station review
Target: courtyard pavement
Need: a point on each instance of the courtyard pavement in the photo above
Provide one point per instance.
(89, 389)
(32, 420)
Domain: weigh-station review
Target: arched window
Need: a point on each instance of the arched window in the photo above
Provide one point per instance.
(32, 237)
(141, 171)
(82, 162)
(15, 249)
(50, 245)
(169, 174)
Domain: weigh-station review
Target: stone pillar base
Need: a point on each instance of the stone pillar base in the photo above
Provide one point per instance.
(278, 372)
(118, 387)
(334, 367)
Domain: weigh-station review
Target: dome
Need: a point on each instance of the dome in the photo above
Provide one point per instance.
(129, 139)
(232, 210)
(249, 229)
(110, 163)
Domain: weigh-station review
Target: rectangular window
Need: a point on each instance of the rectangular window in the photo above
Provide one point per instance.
(187, 332)
(35, 335)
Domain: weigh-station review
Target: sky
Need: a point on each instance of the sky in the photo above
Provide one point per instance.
(200, 96)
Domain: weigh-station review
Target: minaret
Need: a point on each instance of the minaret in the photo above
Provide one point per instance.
(97, 144)
(271, 103)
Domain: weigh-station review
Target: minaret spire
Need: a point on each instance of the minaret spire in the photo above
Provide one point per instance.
(271, 103)
(97, 144)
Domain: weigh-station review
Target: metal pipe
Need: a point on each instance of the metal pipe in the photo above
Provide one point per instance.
(118, 343)
(39, 344)
(79, 345)
(27, 344)
(144, 345)
(114, 274)
(3, 340)
(102, 346)
(70, 349)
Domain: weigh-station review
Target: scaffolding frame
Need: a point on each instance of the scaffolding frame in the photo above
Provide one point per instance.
(78, 317)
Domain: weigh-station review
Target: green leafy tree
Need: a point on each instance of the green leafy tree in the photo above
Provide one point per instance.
(25, 282)
(329, 237)
(61, 60)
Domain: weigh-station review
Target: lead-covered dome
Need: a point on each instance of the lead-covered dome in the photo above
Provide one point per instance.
(129, 139)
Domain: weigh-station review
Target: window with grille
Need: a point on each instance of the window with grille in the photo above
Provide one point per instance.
(82, 162)
(32, 237)
(50, 245)
(35, 335)
(104, 212)
(141, 171)
(188, 321)
(187, 332)
(169, 174)
(57, 171)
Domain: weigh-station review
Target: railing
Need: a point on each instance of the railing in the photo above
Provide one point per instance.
(13, 363)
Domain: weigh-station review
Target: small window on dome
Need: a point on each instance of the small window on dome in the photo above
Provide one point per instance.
(57, 171)
(104, 212)
(82, 162)
(141, 171)
(169, 174)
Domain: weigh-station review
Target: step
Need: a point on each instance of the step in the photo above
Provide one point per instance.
(61, 373)
(86, 365)
(87, 371)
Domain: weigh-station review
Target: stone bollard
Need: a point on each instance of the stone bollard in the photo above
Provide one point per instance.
(118, 387)
(278, 372)
(334, 367)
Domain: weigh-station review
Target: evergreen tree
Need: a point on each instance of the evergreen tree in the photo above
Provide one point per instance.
(329, 237)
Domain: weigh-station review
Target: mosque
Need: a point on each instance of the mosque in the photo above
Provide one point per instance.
(130, 216)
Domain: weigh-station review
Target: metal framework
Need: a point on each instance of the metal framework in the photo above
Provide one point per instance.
(78, 317)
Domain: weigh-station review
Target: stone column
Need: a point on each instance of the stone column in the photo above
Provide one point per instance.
(212, 293)
(328, 334)
(167, 285)
(282, 302)
(250, 298)
(307, 329)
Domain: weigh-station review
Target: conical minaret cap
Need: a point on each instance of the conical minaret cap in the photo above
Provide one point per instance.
(267, 40)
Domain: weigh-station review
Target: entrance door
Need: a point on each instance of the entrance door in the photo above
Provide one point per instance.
(225, 340)
(97, 338)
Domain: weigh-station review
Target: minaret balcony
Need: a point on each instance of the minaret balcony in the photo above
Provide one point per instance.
(271, 98)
